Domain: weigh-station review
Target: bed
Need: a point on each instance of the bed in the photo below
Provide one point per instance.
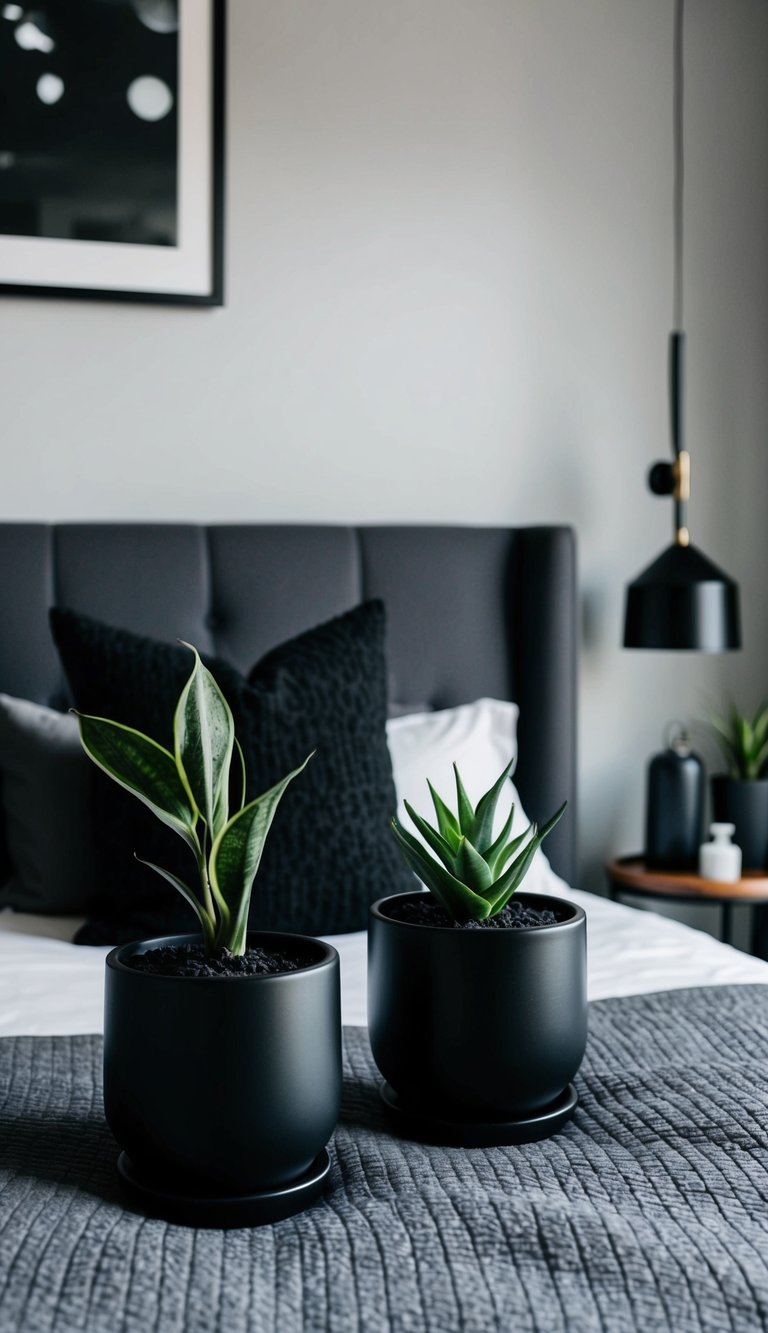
(579, 1233)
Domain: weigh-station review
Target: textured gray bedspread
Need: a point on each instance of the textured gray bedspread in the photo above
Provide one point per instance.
(649, 1211)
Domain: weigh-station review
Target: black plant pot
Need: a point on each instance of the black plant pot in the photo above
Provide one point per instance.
(223, 1091)
(744, 803)
(479, 1032)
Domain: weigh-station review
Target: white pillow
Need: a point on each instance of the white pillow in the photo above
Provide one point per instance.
(480, 738)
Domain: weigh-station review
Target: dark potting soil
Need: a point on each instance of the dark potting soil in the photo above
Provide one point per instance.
(515, 916)
(189, 960)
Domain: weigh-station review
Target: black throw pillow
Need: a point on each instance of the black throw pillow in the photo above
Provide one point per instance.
(330, 851)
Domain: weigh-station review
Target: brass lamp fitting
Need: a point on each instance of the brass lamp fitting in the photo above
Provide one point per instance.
(681, 475)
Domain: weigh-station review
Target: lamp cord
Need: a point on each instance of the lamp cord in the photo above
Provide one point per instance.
(679, 170)
(681, 468)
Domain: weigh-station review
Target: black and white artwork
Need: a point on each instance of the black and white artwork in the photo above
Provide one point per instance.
(110, 148)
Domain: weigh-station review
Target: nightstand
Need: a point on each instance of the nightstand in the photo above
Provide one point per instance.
(630, 875)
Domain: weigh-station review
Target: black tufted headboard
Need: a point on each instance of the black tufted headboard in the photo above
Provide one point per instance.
(472, 612)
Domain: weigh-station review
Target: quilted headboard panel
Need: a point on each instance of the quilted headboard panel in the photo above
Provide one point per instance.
(471, 612)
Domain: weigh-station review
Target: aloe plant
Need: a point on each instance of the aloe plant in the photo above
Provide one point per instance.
(743, 740)
(189, 791)
(473, 875)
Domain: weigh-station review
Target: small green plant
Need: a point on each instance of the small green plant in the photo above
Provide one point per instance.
(473, 875)
(743, 741)
(189, 791)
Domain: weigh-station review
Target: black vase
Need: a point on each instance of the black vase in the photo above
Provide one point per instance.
(223, 1087)
(674, 821)
(478, 1023)
(744, 803)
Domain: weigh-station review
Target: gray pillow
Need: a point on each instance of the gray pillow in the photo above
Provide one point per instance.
(45, 791)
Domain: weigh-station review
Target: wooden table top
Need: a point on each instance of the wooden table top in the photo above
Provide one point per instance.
(631, 872)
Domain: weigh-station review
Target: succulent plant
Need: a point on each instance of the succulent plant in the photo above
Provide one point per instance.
(189, 791)
(473, 875)
(743, 740)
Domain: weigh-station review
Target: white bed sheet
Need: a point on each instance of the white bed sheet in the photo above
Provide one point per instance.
(49, 986)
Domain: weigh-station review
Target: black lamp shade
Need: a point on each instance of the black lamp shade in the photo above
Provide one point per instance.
(683, 601)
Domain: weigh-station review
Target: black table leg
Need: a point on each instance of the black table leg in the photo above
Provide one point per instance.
(726, 926)
(759, 941)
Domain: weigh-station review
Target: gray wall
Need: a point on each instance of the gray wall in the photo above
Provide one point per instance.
(449, 278)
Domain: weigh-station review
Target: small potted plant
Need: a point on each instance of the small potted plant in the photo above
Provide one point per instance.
(476, 998)
(740, 796)
(222, 1051)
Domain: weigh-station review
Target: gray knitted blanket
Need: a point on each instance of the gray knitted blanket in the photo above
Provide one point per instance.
(648, 1212)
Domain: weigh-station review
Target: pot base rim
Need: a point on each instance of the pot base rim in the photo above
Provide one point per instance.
(476, 1132)
(230, 1210)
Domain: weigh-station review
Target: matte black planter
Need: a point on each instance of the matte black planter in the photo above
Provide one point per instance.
(223, 1088)
(484, 1025)
(744, 803)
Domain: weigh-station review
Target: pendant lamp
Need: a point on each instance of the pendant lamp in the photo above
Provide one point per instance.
(682, 600)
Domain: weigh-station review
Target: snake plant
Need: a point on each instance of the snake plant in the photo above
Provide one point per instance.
(189, 791)
(472, 874)
(743, 741)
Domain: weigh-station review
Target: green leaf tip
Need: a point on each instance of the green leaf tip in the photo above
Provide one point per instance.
(203, 739)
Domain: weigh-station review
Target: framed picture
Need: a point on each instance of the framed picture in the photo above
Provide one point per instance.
(112, 149)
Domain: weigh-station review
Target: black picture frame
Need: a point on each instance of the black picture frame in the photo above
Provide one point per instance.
(212, 293)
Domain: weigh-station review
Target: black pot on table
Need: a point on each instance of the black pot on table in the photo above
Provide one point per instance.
(223, 1091)
(478, 1033)
(744, 803)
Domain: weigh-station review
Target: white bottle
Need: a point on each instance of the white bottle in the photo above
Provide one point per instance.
(720, 860)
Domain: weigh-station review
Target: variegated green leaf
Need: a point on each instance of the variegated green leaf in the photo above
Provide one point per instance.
(241, 757)
(142, 767)
(203, 736)
(235, 858)
(205, 919)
